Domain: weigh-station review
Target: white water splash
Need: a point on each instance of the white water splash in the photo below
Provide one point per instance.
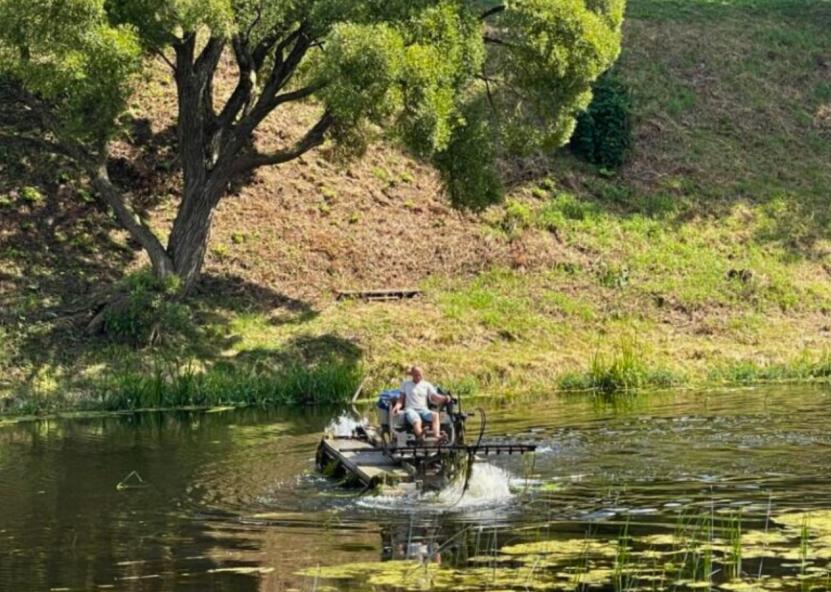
(489, 486)
(344, 425)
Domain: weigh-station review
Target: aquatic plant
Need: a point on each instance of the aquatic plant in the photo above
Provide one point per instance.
(171, 383)
(622, 573)
(623, 369)
(735, 537)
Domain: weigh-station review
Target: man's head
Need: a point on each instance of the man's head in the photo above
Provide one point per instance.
(415, 373)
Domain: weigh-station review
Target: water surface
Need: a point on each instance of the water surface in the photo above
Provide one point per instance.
(229, 501)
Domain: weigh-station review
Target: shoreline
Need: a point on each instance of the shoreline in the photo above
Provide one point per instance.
(79, 412)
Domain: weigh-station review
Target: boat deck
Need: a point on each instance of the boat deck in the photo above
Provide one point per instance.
(364, 461)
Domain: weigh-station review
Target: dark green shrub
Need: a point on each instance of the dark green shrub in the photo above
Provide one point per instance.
(603, 134)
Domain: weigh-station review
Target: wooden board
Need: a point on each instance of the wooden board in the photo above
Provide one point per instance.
(371, 466)
(378, 294)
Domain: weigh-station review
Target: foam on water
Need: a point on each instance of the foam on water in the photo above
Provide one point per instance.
(344, 425)
(489, 486)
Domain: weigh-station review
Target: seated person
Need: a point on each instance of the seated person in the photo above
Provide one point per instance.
(415, 395)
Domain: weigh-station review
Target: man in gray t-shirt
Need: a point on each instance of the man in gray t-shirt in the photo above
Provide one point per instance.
(415, 396)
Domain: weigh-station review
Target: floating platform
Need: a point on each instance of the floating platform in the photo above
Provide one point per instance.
(368, 461)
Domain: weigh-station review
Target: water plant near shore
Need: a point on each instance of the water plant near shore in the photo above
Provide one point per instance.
(172, 384)
(624, 369)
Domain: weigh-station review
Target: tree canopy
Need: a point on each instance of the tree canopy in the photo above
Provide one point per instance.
(459, 82)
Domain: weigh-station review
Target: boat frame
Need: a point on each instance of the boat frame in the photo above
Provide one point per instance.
(387, 454)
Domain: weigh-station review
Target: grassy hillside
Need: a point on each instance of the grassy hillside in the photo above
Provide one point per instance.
(706, 258)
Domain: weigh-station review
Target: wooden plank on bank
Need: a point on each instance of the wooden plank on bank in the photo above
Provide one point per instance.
(399, 294)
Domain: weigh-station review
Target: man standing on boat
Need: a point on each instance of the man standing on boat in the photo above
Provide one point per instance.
(415, 396)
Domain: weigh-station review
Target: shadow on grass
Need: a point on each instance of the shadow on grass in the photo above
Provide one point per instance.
(59, 245)
(201, 364)
(204, 366)
(60, 255)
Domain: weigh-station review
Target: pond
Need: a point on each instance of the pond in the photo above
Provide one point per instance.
(724, 489)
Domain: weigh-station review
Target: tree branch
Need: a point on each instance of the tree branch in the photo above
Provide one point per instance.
(280, 74)
(184, 54)
(267, 43)
(95, 162)
(313, 138)
(242, 93)
(130, 221)
(254, 22)
(284, 68)
(209, 57)
(205, 69)
(296, 95)
(159, 53)
(487, 82)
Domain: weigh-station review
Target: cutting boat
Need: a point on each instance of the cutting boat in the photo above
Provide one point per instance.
(388, 454)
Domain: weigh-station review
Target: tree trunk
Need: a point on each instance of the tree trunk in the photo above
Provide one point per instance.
(189, 237)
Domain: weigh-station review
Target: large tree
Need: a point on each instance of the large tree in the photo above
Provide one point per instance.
(460, 82)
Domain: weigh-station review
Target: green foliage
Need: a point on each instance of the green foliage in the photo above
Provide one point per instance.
(149, 311)
(158, 22)
(177, 383)
(468, 164)
(420, 69)
(565, 207)
(361, 66)
(604, 131)
(444, 53)
(545, 56)
(805, 367)
(68, 53)
(555, 51)
(623, 370)
(612, 276)
(32, 195)
(517, 217)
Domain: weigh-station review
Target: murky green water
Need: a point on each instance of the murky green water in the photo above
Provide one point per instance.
(655, 492)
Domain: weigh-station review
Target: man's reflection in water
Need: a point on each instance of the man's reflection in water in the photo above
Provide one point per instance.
(405, 541)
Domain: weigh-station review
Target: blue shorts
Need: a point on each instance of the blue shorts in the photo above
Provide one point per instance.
(414, 416)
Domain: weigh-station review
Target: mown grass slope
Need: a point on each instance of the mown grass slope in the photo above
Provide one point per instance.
(706, 258)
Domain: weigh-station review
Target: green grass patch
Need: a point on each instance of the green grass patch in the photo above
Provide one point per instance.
(499, 300)
(807, 366)
(624, 369)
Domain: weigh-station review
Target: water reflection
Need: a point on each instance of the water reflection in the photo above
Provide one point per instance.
(232, 504)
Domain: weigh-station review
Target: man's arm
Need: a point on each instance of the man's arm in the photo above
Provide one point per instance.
(436, 398)
(399, 403)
